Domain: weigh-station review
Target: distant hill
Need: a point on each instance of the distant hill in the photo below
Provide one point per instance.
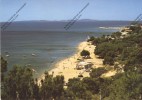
(46, 25)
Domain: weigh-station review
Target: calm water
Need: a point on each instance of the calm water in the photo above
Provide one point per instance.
(41, 49)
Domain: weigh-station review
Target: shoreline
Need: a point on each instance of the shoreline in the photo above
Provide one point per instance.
(55, 66)
(67, 66)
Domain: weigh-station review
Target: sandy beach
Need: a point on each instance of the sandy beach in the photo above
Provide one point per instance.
(67, 67)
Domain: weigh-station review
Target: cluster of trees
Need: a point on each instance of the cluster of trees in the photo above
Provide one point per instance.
(52, 87)
(118, 49)
(128, 53)
(96, 40)
(135, 29)
(126, 86)
(19, 84)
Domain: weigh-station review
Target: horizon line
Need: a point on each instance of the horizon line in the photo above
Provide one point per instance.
(66, 20)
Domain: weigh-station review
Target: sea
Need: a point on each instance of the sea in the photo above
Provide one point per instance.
(41, 44)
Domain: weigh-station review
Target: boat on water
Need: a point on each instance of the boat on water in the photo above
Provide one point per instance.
(33, 54)
(7, 55)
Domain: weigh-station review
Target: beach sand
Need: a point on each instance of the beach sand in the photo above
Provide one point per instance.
(67, 67)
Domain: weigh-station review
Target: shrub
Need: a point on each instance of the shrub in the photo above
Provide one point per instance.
(85, 53)
(97, 72)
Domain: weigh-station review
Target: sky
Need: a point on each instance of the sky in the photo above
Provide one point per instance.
(67, 9)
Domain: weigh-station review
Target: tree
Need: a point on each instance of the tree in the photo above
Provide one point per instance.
(85, 53)
(3, 68)
(127, 87)
(116, 35)
(18, 84)
(134, 61)
(58, 86)
(97, 72)
(108, 60)
(91, 85)
(77, 87)
(135, 29)
(52, 87)
(91, 39)
(3, 65)
(35, 92)
(103, 48)
(47, 86)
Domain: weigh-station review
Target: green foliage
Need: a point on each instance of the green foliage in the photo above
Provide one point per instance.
(85, 53)
(135, 29)
(3, 68)
(77, 87)
(35, 92)
(127, 87)
(3, 65)
(116, 35)
(52, 87)
(108, 60)
(105, 48)
(97, 72)
(91, 84)
(119, 49)
(136, 57)
(92, 38)
(96, 41)
(134, 61)
(128, 52)
(17, 84)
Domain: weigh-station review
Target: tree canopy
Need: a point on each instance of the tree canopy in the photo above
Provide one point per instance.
(85, 53)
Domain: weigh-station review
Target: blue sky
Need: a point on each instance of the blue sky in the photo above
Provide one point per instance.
(67, 9)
